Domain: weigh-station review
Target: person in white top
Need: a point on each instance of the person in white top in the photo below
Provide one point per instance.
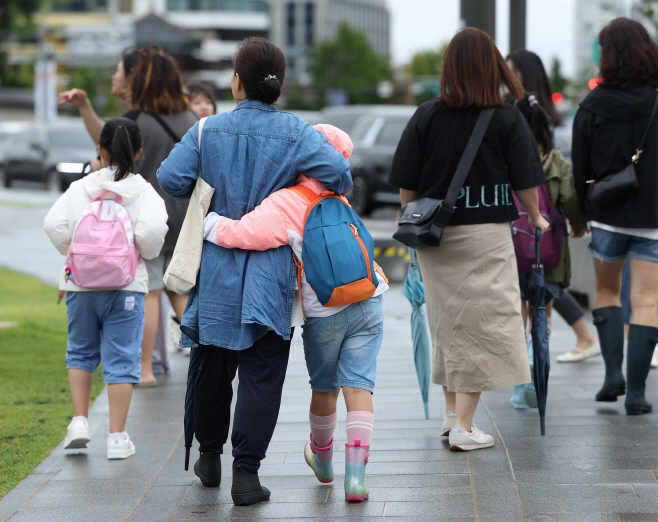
(106, 319)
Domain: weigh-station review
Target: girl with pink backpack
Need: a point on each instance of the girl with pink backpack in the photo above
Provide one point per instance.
(106, 224)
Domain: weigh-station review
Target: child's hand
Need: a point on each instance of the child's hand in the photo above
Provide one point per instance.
(210, 227)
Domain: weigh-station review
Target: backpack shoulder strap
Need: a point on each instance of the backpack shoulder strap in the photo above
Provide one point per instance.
(175, 137)
(306, 193)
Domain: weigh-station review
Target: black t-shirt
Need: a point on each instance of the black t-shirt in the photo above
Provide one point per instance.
(432, 145)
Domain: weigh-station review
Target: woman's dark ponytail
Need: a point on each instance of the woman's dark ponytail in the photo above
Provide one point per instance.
(121, 138)
(261, 66)
(538, 121)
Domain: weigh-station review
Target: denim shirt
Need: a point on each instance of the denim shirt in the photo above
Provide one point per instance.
(247, 154)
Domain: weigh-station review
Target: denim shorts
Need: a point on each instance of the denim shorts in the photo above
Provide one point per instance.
(341, 350)
(612, 247)
(106, 326)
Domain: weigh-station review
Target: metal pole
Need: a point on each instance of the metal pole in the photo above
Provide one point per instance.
(480, 14)
(517, 17)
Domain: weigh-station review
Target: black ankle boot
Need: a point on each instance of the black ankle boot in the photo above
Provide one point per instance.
(641, 343)
(246, 489)
(609, 322)
(209, 469)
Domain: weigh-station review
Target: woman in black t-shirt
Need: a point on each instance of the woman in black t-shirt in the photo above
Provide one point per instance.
(471, 280)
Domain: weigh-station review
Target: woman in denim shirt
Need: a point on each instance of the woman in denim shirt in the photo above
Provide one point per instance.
(239, 314)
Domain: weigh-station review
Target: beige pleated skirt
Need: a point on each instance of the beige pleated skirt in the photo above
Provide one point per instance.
(474, 309)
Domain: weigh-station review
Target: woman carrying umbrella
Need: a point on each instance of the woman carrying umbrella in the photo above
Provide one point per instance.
(471, 280)
(607, 138)
(238, 316)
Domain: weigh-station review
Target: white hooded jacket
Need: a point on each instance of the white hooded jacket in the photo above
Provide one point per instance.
(144, 206)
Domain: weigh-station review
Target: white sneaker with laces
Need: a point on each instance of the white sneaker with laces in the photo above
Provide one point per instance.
(119, 447)
(77, 434)
(461, 440)
(448, 422)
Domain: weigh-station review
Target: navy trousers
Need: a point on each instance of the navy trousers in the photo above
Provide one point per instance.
(261, 372)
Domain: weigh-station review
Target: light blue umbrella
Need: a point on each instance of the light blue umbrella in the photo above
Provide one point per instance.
(414, 291)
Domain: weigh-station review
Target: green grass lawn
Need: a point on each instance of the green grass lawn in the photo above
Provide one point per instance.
(35, 403)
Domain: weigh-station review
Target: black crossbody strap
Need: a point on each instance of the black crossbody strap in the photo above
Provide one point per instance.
(166, 128)
(467, 158)
(646, 131)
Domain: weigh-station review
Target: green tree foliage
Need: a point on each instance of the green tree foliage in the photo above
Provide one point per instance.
(558, 82)
(428, 63)
(350, 64)
(648, 9)
(15, 16)
(425, 71)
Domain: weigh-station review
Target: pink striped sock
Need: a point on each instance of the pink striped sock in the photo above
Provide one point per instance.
(359, 426)
(322, 429)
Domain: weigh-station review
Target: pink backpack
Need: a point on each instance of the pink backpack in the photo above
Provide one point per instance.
(102, 255)
(523, 235)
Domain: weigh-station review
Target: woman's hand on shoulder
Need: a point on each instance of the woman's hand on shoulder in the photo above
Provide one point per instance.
(77, 97)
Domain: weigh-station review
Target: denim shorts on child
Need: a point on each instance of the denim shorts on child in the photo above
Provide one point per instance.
(106, 326)
(341, 350)
(612, 247)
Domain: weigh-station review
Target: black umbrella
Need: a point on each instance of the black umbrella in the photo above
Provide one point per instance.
(188, 420)
(539, 297)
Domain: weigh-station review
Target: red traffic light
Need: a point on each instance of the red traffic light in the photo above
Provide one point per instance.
(593, 82)
(557, 97)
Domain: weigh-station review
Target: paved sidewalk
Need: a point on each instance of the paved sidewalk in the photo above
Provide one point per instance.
(595, 463)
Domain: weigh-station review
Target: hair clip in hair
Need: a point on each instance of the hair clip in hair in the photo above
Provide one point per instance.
(271, 77)
(532, 101)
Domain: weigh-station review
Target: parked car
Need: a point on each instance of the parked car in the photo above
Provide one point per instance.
(375, 131)
(54, 153)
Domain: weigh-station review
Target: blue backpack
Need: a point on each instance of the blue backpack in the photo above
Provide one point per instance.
(338, 250)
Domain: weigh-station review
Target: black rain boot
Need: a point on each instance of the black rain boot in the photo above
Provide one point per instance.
(641, 343)
(209, 469)
(609, 322)
(246, 489)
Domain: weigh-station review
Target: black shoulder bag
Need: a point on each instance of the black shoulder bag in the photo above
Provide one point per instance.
(617, 187)
(422, 221)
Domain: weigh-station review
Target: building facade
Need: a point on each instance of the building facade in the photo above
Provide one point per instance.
(296, 25)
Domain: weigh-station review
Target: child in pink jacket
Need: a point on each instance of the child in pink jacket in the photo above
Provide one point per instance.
(341, 343)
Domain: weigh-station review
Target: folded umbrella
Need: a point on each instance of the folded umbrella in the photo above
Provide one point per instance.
(539, 297)
(414, 291)
(188, 419)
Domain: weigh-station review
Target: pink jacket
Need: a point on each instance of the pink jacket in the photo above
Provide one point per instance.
(279, 221)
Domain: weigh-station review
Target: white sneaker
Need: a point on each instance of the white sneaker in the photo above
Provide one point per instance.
(448, 422)
(461, 440)
(654, 359)
(119, 448)
(593, 350)
(77, 434)
(173, 331)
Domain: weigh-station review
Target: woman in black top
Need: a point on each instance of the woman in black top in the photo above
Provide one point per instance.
(471, 280)
(606, 133)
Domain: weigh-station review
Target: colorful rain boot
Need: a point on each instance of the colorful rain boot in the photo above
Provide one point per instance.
(356, 458)
(320, 460)
(641, 343)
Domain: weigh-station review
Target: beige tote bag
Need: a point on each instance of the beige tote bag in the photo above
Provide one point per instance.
(185, 262)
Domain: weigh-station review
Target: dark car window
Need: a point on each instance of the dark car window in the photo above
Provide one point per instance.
(70, 138)
(391, 131)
